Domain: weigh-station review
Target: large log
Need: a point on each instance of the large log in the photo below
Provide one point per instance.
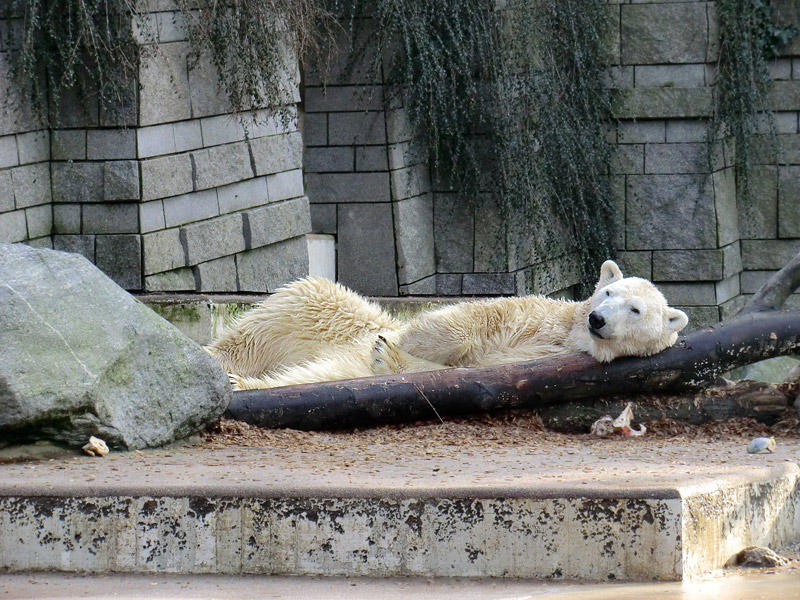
(693, 363)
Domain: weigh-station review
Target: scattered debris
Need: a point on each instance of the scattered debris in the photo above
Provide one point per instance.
(761, 444)
(606, 426)
(96, 447)
(760, 556)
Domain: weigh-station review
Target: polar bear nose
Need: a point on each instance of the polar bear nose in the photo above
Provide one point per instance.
(596, 321)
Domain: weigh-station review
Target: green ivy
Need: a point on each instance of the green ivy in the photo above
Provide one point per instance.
(749, 39)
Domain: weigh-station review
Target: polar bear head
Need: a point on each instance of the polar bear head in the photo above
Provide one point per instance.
(628, 316)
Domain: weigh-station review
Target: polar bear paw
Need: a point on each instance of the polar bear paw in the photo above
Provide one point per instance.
(239, 383)
(385, 357)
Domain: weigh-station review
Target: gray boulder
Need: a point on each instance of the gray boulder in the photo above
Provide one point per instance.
(79, 356)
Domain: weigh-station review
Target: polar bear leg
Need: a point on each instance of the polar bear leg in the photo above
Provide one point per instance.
(388, 357)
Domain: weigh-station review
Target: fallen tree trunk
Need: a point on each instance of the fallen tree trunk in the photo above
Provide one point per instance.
(764, 402)
(693, 363)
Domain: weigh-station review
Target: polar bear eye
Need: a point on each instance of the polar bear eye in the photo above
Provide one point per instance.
(635, 310)
(608, 292)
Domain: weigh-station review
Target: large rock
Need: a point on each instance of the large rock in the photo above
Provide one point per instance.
(82, 357)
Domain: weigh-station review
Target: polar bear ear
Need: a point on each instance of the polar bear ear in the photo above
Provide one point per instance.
(676, 319)
(609, 273)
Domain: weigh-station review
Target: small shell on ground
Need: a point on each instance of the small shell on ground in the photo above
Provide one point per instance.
(96, 447)
(761, 444)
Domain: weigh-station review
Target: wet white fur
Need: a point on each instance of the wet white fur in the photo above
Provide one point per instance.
(315, 330)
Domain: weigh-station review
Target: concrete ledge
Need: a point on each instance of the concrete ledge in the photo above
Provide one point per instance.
(235, 510)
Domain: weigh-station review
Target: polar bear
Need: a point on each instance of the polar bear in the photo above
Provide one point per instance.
(314, 330)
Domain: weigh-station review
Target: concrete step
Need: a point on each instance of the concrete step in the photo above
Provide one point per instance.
(320, 504)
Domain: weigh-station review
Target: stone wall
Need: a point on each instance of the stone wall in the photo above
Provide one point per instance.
(680, 222)
(165, 191)
(683, 227)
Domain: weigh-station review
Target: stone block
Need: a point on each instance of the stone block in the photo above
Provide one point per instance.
(727, 288)
(6, 191)
(663, 103)
(110, 218)
(687, 265)
(78, 244)
(212, 239)
(155, 140)
(413, 228)
(277, 222)
(207, 98)
(759, 216)
(371, 158)
(267, 268)
(618, 78)
(155, 27)
(676, 158)
(490, 235)
(162, 251)
(33, 147)
(700, 316)
(356, 128)
(423, 287)
(40, 220)
(77, 181)
(188, 208)
(664, 33)
(323, 218)
(120, 257)
(751, 281)
(188, 135)
(315, 129)
(627, 159)
(726, 206)
(488, 284)
(266, 122)
(66, 218)
(335, 98)
(31, 185)
(783, 95)
(166, 176)
(454, 228)
(111, 144)
(731, 259)
(121, 180)
(164, 93)
(242, 195)
(221, 165)
(689, 294)
(348, 187)
(670, 212)
(687, 130)
(282, 186)
(398, 128)
(151, 216)
(759, 255)
(9, 156)
(679, 76)
(217, 275)
(331, 159)
(448, 284)
(636, 264)
(789, 201)
(222, 129)
(410, 181)
(641, 132)
(367, 265)
(13, 227)
(179, 280)
(277, 153)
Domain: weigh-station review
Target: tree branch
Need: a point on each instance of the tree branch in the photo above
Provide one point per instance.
(776, 290)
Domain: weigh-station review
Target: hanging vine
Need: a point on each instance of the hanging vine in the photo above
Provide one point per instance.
(749, 39)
